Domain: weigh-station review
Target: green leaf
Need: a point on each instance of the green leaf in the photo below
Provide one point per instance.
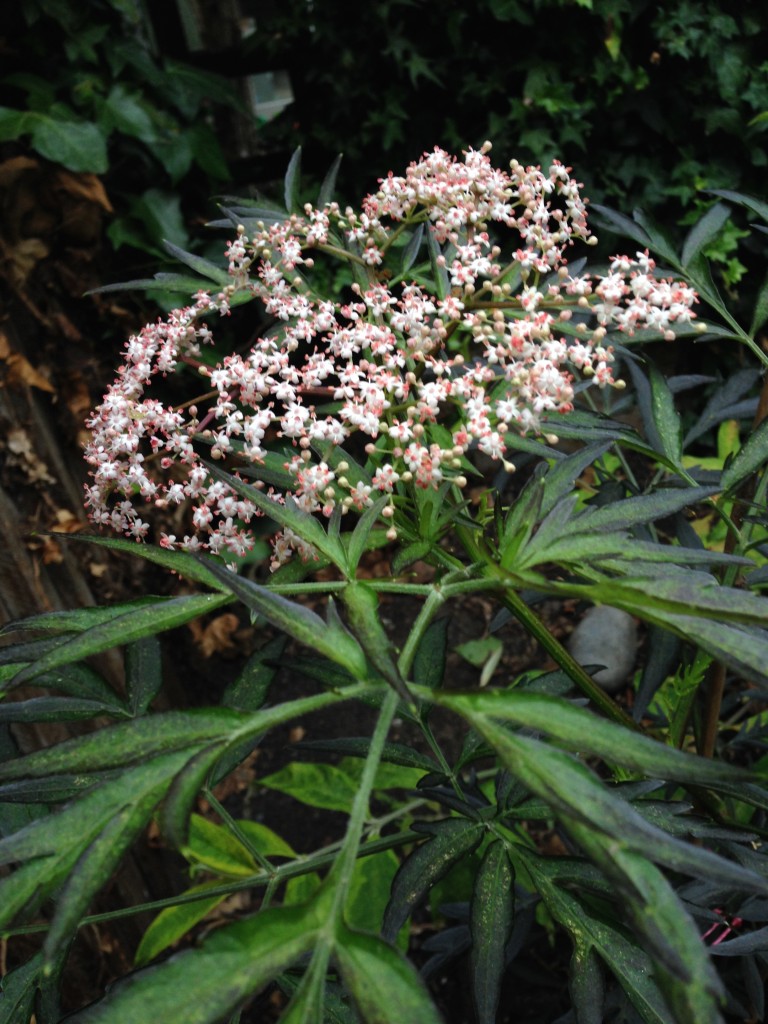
(571, 789)
(57, 709)
(429, 661)
(561, 476)
(385, 987)
(369, 889)
(665, 416)
(406, 556)
(18, 990)
(631, 966)
(50, 848)
(127, 743)
(490, 923)
(143, 673)
(14, 123)
(319, 785)
(581, 730)
(686, 974)
(182, 796)
(328, 187)
(358, 542)
(297, 621)
(750, 457)
(293, 182)
(205, 985)
(217, 849)
(180, 562)
(411, 250)
(586, 983)
(440, 274)
(682, 593)
(760, 314)
(450, 841)
(362, 604)
(639, 511)
(703, 232)
(287, 515)
(76, 145)
(94, 868)
(133, 625)
(173, 923)
(621, 225)
(203, 267)
(77, 620)
(358, 746)
(757, 206)
(248, 692)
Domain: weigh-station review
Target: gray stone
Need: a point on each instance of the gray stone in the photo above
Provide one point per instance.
(608, 637)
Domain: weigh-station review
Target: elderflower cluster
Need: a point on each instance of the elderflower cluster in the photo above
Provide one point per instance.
(427, 365)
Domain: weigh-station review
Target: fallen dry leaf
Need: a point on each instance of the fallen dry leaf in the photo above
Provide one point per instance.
(217, 636)
(82, 186)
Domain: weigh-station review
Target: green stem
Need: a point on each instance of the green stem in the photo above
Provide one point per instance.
(315, 862)
(237, 832)
(533, 624)
(340, 875)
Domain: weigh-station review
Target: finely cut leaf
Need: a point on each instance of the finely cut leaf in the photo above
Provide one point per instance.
(571, 789)
(127, 743)
(144, 621)
(686, 974)
(18, 990)
(77, 620)
(206, 985)
(703, 232)
(748, 459)
(297, 621)
(287, 515)
(450, 840)
(583, 731)
(292, 182)
(630, 964)
(665, 416)
(204, 267)
(760, 314)
(328, 187)
(440, 274)
(182, 795)
(94, 869)
(143, 673)
(180, 562)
